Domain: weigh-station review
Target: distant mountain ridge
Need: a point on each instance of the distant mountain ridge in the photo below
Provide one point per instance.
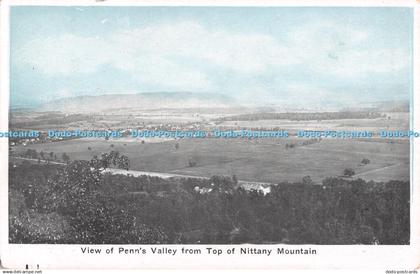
(146, 101)
(196, 100)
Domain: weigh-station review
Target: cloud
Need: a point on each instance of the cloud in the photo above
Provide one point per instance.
(237, 52)
(69, 54)
(183, 55)
(64, 55)
(144, 51)
(361, 63)
(159, 71)
(344, 51)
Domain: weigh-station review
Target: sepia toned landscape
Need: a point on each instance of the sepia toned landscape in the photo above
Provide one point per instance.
(268, 160)
(192, 69)
(210, 174)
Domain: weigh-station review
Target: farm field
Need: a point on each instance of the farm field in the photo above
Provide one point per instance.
(396, 121)
(264, 160)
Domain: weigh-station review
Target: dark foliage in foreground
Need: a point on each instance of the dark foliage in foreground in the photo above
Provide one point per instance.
(80, 204)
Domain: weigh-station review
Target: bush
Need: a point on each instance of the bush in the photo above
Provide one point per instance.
(349, 172)
(365, 161)
(192, 163)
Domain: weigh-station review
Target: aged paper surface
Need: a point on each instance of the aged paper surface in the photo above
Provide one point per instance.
(212, 134)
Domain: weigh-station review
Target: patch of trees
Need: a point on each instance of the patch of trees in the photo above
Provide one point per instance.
(303, 143)
(111, 159)
(192, 163)
(65, 157)
(79, 203)
(70, 198)
(365, 161)
(30, 153)
(349, 172)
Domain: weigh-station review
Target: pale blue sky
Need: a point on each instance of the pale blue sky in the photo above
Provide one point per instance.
(264, 56)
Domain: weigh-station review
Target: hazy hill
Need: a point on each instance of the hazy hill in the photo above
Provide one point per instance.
(382, 106)
(200, 102)
(155, 100)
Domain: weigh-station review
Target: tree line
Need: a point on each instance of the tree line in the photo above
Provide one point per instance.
(304, 116)
(79, 203)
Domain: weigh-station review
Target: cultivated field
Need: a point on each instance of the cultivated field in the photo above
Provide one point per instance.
(264, 160)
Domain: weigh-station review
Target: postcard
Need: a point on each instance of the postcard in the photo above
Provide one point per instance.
(210, 134)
